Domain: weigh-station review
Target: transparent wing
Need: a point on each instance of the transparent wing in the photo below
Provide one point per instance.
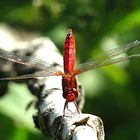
(36, 75)
(25, 60)
(46, 69)
(113, 56)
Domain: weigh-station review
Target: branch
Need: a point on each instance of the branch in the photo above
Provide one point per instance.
(50, 117)
(50, 103)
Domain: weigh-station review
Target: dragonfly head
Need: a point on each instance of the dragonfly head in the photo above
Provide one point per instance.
(70, 97)
(70, 91)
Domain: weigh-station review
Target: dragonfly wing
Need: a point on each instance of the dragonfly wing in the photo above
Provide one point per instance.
(50, 72)
(113, 56)
(25, 60)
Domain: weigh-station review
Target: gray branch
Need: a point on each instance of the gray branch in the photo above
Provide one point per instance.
(50, 103)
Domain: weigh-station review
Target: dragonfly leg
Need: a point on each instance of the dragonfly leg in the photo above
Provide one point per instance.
(66, 106)
(77, 108)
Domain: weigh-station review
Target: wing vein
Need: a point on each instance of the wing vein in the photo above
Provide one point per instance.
(113, 56)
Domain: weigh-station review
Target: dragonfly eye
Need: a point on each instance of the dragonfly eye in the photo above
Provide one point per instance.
(74, 89)
(70, 97)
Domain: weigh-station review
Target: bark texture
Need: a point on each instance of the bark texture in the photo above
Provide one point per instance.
(48, 92)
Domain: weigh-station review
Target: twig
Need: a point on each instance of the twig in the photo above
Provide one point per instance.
(48, 90)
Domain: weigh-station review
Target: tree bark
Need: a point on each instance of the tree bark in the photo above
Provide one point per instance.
(50, 103)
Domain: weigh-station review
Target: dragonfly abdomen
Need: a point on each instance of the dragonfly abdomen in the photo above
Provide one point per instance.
(69, 53)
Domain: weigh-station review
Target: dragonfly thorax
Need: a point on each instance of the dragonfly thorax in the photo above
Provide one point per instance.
(69, 85)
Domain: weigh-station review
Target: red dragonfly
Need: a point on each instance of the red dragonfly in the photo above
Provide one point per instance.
(69, 81)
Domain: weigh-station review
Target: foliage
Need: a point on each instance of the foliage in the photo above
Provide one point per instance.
(112, 92)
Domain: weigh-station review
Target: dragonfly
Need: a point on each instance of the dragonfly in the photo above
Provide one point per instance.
(69, 79)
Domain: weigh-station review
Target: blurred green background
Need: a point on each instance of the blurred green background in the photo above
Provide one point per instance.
(112, 93)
